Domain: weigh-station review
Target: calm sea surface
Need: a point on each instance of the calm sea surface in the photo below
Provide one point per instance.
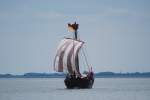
(54, 89)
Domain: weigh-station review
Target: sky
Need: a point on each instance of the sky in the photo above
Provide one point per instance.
(116, 33)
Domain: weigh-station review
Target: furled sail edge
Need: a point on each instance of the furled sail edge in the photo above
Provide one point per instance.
(74, 39)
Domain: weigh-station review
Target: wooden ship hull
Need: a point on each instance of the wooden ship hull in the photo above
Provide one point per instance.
(72, 82)
(81, 83)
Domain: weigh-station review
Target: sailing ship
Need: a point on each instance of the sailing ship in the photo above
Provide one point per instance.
(67, 61)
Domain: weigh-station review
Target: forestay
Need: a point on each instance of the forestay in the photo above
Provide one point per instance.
(65, 59)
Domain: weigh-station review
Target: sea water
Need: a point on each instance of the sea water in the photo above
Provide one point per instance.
(54, 89)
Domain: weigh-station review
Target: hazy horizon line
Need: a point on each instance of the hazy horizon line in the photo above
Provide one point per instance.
(62, 72)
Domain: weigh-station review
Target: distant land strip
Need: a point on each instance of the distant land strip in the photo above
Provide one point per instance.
(97, 75)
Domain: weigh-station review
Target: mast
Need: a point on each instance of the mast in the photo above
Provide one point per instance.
(74, 28)
(76, 38)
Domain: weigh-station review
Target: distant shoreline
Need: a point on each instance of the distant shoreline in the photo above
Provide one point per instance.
(97, 75)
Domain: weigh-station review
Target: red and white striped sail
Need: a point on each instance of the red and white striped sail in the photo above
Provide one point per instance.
(65, 59)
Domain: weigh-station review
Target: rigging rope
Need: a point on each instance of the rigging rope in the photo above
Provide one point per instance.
(86, 61)
(84, 54)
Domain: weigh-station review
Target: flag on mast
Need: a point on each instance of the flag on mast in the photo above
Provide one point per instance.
(73, 27)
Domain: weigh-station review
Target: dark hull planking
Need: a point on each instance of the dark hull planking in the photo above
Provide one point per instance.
(80, 83)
